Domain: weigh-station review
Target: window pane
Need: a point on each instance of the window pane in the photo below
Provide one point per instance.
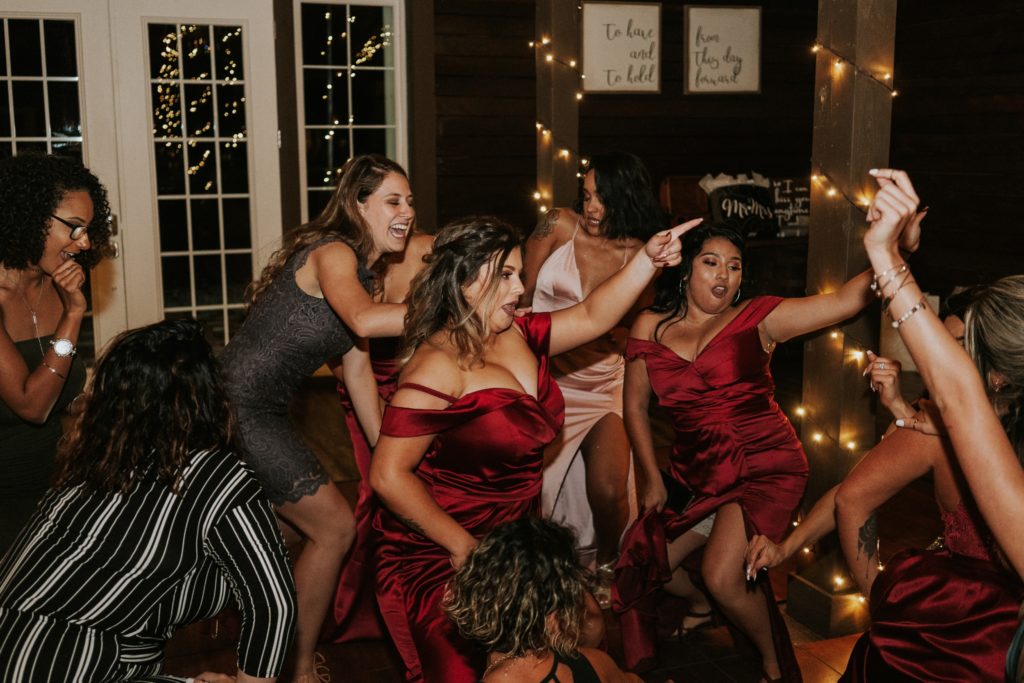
(173, 225)
(237, 233)
(213, 325)
(29, 114)
(26, 57)
(68, 149)
(64, 112)
(239, 274)
(202, 167)
(234, 167)
(326, 96)
(326, 152)
(373, 141)
(208, 280)
(166, 110)
(3, 49)
(195, 52)
(317, 201)
(170, 168)
(61, 58)
(372, 103)
(205, 224)
(370, 36)
(6, 150)
(324, 34)
(231, 102)
(175, 272)
(163, 51)
(227, 41)
(5, 111)
(24, 147)
(199, 109)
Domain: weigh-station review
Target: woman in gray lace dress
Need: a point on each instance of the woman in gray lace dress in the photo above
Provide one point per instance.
(313, 297)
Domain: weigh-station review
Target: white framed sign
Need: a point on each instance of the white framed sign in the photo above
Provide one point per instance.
(622, 47)
(723, 49)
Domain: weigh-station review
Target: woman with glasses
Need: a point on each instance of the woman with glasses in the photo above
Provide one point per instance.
(53, 227)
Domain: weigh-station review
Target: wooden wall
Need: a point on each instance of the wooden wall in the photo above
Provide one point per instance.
(485, 90)
(958, 128)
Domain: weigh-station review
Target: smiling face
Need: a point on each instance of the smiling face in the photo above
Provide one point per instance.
(75, 209)
(389, 214)
(593, 206)
(497, 308)
(716, 276)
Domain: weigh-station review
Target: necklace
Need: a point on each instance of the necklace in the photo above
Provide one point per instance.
(35, 317)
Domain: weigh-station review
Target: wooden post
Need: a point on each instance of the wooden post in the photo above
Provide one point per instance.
(852, 118)
(558, 37)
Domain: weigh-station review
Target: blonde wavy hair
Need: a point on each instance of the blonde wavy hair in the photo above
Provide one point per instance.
(437, 300)
(522, 573)
(360, 177)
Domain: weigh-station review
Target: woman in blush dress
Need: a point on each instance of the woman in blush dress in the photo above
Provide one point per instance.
(587, 474)
(461, 447)
(706, 357)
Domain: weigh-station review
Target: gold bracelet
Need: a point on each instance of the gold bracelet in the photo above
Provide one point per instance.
(878, 287)
(906, 316)
(48, 367)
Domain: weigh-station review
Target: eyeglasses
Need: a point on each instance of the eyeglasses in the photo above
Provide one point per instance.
(77, 231)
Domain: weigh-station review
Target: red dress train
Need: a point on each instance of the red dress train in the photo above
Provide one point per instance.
(484, 468)
(947, 615)
(732, 445)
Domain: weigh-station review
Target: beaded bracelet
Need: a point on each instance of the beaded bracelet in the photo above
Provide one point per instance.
(48, 367)
(878, 287)
(906, 316)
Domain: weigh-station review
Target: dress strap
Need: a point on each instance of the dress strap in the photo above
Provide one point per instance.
(552, 676)
(427, 390)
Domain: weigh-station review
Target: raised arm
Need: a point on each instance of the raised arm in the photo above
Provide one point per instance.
(636, 399)
(986, 456)
(336, 268)
(613, 298)
(395, 460)
(551, 231)
(355, 371)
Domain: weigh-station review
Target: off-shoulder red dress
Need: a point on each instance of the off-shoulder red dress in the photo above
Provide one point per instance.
(484, 468)
(732, 445)
(941, 615)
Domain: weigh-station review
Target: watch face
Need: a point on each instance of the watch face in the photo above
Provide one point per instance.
(63, 347)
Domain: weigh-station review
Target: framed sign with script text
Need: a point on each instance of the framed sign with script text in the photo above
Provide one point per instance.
(621, 47)
(723, 49)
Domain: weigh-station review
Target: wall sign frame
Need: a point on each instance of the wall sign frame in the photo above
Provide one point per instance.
(621, 47)
(723, 49)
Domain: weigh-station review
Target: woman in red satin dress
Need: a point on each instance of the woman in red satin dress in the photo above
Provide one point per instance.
(355, 615)
(461, 446)
(705, 355)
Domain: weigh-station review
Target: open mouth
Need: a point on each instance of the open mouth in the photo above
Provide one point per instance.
(69, 255)
(510, 309)
(719, 290)
(398, 230)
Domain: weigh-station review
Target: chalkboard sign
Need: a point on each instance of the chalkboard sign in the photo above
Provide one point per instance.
(621, 47)
(791, 199)
(723, 49)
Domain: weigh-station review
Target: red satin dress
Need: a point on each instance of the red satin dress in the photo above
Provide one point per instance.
(484, 468)
(355, 615)
(732, 445)
(941, 615)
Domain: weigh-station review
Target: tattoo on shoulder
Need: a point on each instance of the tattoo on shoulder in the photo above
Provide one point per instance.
(867, 538)
(546, 225)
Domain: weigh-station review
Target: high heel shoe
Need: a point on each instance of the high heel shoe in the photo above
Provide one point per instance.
(706, 621)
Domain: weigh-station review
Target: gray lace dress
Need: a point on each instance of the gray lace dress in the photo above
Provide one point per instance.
(287, 335)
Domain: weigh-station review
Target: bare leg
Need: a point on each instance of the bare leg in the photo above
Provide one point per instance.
(681, 586)
(723, 572)
(606, 456)
(326, 521)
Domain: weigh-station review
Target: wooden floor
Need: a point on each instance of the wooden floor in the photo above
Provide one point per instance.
(708, 655)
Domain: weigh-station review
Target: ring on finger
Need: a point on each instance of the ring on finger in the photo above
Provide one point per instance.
(881, 366)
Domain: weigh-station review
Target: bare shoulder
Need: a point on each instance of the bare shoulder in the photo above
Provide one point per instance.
(644, 324)
(607, 670)
(333, 254)
(419, 245)
(430, 366)
(555, 226)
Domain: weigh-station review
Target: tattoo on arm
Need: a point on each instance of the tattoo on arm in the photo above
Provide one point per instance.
(867, 538)
(545, 225)
(412, 525)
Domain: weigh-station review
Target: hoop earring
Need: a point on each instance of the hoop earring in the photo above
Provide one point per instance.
(737, 299)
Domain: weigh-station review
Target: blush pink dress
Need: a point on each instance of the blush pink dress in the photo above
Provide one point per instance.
(590, 377)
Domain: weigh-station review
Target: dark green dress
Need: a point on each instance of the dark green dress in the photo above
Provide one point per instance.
(27, 450)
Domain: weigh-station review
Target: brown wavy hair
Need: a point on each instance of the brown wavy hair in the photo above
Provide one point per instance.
(437, 301)
(360, 177)
(156, 396)
(521, 573)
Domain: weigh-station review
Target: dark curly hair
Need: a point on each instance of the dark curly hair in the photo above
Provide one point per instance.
(670, 287)
(436, 298)
(32, 186)
(520, 573)
(624, 186)
(156, 396)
